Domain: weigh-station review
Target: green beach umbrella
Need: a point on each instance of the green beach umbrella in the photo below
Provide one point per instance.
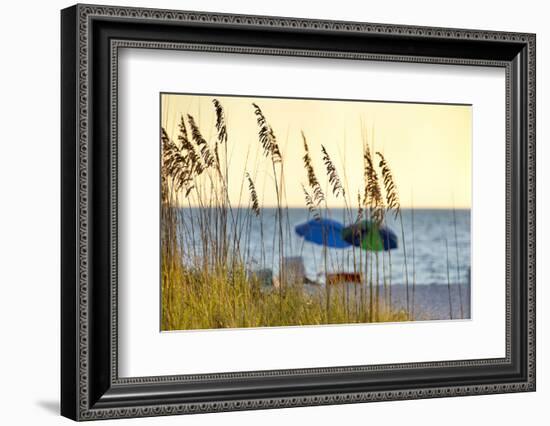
(367, 235)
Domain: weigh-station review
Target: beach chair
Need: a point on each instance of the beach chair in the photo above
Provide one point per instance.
(294, 270)
(263, 276)
(344, 278)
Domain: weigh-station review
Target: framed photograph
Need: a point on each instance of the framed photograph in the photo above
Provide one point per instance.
(263, 212)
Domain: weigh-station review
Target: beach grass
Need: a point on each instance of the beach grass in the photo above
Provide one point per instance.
(210, 284)
(223, 298)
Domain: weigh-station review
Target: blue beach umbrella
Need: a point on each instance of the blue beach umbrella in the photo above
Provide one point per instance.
(325, 232)
(368, 236)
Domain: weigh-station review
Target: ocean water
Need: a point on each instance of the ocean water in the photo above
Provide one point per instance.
(426, 257)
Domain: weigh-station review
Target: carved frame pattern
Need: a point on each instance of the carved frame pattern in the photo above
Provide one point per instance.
(85, 14)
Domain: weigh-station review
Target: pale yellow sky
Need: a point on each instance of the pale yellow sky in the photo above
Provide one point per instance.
(428, 146)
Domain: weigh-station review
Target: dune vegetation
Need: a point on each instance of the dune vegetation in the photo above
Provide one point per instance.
(207, 280)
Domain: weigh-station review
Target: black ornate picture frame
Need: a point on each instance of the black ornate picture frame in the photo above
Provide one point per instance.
(90, 39)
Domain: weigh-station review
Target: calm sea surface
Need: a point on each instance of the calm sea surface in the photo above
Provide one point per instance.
(426, 258)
